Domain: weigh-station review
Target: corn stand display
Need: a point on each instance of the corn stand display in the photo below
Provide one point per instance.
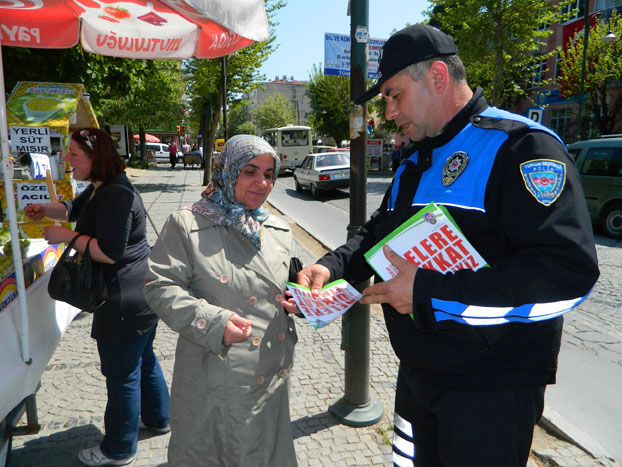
(40, 118)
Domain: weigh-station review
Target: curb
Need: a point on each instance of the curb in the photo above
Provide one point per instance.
(563, 429)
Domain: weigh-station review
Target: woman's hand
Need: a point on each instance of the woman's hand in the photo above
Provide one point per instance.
(35, 212)
(238, 329)
(290, 305)
(56, 234)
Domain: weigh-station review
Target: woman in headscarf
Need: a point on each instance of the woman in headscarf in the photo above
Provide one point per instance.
(216, 276)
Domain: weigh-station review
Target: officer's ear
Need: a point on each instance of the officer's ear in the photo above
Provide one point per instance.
(440, 75)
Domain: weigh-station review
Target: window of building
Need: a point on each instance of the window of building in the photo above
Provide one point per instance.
(537, 72)
(572, 11)
(606, 4)
(562, 122)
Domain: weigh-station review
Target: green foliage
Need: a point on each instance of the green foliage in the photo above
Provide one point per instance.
(603, 69)
(138, 164)
(498, 41)
(275, 111)
(205, 83)
(237, 121)
(330, 104)
(246, 128)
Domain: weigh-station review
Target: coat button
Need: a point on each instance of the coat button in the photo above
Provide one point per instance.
(278, 298)
(282, 372)
(223, 278)
(201, 323)
(252, 301)
(281, 336)
(256, 341)
(260, 379)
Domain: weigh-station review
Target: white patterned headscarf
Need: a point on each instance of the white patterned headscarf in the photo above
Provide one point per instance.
(218, 201)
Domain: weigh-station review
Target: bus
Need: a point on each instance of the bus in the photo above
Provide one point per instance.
(291, 143)
(220, 142)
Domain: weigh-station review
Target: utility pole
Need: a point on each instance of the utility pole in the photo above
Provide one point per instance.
(224, 96)
(356, 408)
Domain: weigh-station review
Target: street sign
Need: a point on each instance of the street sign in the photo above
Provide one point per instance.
(536, 114)
(374, 148)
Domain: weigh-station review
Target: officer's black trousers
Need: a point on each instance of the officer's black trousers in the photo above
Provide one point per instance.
(439, 426)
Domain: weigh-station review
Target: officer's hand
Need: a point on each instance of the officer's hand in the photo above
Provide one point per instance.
(314, 277)
(238, 329)
(397, 292)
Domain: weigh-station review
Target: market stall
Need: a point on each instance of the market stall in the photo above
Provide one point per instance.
(40, 118)
(154, 29)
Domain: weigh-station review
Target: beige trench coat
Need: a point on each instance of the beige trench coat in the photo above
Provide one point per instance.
(229, 405)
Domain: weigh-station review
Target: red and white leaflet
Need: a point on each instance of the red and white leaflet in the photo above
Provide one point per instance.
(334, 300)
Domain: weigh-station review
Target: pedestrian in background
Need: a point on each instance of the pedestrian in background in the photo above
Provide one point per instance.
(476, 348)
(172, 153)
(217, 275)
(110, 215)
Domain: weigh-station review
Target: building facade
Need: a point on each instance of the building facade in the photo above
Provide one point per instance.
(291, 89)
(561, 114)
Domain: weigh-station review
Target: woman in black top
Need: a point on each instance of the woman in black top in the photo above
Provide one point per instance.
(109, 211)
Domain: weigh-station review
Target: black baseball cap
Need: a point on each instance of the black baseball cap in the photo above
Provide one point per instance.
(413, 44)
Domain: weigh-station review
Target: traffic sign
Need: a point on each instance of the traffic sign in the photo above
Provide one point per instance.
(536, 114)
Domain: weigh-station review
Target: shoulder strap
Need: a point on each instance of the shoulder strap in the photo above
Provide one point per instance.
(141, 202)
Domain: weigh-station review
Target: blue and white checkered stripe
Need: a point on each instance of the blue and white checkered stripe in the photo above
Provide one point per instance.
(486, 315)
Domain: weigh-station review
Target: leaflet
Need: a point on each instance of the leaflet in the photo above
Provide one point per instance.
(333, 301)
(431, 240)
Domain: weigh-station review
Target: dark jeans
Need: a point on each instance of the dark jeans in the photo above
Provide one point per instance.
(136, 387)
(173, 159)
(438, 426)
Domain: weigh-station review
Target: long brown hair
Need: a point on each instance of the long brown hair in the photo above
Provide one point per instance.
(102, 150)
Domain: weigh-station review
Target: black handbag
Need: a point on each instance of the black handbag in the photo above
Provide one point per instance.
(295, 266)
(78, 280)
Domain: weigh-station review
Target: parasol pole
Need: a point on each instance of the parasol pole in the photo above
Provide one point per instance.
(7, 174)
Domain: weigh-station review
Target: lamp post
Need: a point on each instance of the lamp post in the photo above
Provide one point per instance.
(586, 29)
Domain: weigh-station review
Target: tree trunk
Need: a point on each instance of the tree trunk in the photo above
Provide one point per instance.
(208, 144)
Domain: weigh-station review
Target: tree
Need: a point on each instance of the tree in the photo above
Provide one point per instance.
(136, 93)
(206, 87)
(275, 111)
(330, 104)
(500, 42)
(237, 121)
(155, 98)
(603, 71)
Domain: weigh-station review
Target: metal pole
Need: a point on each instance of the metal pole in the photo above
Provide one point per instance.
(356, 408)
(224, 96)
(586, 29)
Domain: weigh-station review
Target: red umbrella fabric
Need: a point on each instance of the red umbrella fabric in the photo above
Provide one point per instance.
(148, 137)
(154, 29)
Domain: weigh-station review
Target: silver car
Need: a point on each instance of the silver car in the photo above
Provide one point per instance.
(600, 166)
(323, 171)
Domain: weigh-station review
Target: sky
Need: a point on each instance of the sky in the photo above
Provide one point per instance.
(300, 34)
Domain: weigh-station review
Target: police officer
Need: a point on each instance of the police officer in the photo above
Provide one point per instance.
(476, 348)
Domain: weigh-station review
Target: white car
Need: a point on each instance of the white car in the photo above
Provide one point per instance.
(322, 172)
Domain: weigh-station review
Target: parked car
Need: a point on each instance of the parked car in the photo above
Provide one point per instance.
(323, 171)
(160, 151)
(319, 149)
(599, 162)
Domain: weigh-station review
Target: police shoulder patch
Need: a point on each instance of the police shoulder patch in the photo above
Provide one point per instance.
(544, 178)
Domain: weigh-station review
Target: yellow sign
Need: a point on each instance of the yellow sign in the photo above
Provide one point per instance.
(35, 192)
(58, 106)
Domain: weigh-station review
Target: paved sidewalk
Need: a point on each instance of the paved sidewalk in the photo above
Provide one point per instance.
(72, 397)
